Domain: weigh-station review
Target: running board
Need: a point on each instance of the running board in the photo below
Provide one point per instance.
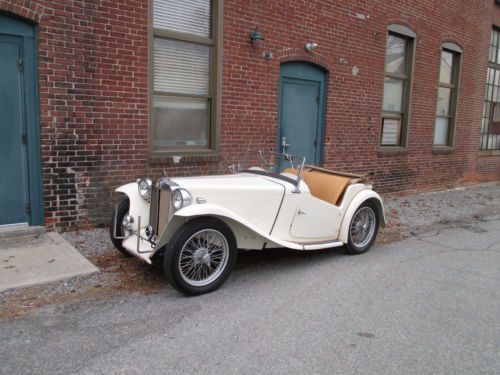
(308, 245)
(321, 245)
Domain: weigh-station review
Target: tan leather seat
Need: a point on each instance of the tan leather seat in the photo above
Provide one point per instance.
(325, 186)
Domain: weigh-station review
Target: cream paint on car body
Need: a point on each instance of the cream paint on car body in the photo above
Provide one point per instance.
(262, 211)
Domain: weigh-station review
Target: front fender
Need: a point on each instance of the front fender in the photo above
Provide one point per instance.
(248, 235)
(357, 201)
(138, 206)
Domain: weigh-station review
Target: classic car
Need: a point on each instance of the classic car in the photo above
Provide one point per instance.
(195, 225)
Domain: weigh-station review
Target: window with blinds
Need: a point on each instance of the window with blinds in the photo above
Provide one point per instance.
(398, 63)
(184, 66)
(490, 125)
(447, 97)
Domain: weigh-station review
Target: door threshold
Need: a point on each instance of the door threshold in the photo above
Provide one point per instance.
(20, 230)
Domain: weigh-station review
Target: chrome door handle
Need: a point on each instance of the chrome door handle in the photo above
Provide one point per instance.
(284, 144)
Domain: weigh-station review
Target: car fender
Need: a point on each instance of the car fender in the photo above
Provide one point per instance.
(247, 234)
(138, 205)
(357, 201)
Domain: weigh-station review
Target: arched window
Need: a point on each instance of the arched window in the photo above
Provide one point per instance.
(399, 55)
(446, 108)
(490, 126)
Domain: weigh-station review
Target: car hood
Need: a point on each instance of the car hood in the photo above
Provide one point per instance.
(253, 198)
(241, 182)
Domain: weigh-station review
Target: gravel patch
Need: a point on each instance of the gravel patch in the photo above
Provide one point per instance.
(119, 275)
(406, 216)
(90, 243)
(410, 214)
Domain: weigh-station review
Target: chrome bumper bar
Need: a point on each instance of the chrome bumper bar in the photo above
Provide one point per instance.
(137, 233)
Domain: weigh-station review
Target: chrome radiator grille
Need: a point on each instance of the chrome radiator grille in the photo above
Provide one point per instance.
(153, 209)
(164, 210)
(159, 211)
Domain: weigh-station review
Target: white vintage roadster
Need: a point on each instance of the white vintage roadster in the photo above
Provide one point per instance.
(196, 224)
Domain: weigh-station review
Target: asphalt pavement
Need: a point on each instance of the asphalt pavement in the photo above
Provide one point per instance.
(427, 305)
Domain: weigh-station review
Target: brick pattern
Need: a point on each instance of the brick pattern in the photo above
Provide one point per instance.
(93, 82)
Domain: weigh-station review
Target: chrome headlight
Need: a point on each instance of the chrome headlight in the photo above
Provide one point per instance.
(181, 198)
(145, 185)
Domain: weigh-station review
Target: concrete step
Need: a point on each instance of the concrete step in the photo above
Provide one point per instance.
(20, 230)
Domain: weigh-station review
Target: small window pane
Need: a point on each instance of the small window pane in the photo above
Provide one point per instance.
(446, 72)
(181, 67)
(393, 94)
(180, 122)
(183, 16)
(395, 55)
(494, 47)
(495, 120)
(496, 112)
(441, 131)
(443, 103)
(391, 131)
(484, 125)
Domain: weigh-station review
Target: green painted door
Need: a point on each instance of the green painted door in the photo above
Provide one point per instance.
(13, 171)
(20, 167)
(301, 111)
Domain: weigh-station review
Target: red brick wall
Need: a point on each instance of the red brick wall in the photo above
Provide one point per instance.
(94, 94)
(354, 102)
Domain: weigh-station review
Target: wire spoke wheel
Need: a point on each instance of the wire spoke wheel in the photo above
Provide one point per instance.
(203, 257)
(363, 227)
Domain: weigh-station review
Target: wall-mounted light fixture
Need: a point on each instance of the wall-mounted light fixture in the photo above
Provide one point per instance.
(256, 36)
(310, 46)
(267, 55)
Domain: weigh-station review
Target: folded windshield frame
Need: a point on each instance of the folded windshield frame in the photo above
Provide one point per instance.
(266, 163)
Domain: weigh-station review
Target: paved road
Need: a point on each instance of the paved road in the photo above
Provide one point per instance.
(427, 305)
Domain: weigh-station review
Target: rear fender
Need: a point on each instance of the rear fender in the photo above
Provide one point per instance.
(358, 200)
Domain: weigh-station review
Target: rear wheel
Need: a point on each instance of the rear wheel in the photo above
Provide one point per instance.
(200, 256)
(363, 229)
(122, 211)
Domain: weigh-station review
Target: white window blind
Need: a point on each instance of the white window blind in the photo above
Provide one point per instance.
(183, 57)
(183, 16)
(181, 67)
(441, 131)
(390, 132)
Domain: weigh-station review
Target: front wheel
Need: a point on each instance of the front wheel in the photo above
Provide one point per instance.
(200, 256)
(363, 229)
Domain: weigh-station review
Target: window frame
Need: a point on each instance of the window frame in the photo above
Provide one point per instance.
(494, 66)
(215, 83)
(405, 114)
(454, 87)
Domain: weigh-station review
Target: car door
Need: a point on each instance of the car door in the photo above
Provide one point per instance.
(315, 219)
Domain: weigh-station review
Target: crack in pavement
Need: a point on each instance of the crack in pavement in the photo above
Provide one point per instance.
(451, 249)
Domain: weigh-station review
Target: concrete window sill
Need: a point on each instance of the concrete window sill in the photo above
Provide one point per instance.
(392, 150)
(175, 158)
(443, 150)
(489, 153)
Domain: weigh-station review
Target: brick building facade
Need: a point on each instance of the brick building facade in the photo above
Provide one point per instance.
(96, 71)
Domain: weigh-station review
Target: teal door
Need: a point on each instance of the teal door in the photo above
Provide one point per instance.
(13, 192)
(301, 110)
(20, 175)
